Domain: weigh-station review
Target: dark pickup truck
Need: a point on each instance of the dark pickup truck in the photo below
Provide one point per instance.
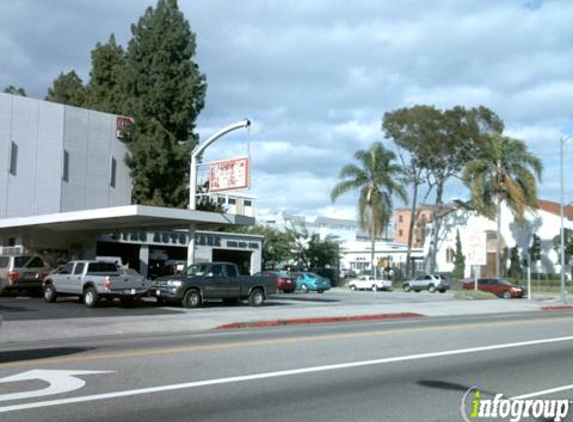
(199, 283)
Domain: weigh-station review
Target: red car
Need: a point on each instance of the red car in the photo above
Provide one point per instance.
(284, 281)
(497, 286)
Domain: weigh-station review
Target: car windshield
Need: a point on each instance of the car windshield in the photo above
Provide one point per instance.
(504, 282)
(196, 269)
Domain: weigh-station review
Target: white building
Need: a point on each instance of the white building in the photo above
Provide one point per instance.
(544, 222)
(355, 245)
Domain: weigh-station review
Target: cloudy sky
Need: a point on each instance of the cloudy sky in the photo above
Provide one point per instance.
(316, 76)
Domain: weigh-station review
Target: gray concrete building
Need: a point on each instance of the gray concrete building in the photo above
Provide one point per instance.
(64, 187)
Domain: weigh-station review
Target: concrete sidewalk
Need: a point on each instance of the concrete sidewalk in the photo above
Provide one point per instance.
(197, 320)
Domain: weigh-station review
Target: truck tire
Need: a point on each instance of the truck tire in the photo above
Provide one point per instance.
(90, 297)
(192, 299)
(256, 298)
(50, 294)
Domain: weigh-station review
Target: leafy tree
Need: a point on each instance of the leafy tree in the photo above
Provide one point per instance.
(376, 180)
(459, 259)
(437, 144)
(68, 89)
(568, 242)
(164, 92)
(104, 89)
(278, 246)
(11, 89)
(503, 171)
(515, 270)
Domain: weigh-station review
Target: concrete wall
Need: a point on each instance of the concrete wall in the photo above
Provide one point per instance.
(43, 131)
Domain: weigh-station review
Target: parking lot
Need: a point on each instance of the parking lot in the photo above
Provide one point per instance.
(25, 308)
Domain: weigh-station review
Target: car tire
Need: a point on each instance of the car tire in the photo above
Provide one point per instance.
(432, 288)
(50, 294)
(90, 297)
(506, 294)
(192, 299)
(374, 288)
(320, 291)
(256, 298)
(407, 288)
(352, 287)
(304, 288)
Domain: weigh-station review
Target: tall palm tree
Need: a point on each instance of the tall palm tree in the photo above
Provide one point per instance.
(504, 172)
(375, 179)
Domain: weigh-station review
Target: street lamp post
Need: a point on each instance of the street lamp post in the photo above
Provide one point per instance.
(195, 154)
(562, 215)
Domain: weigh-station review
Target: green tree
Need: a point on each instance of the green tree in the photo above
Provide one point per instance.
(459, 259)
(503, 172)
(376, 180)
(164, 92)
(515, 270)
(278, 246)
(68, 89)
(11, 89)
(103, 92)
(434, 145)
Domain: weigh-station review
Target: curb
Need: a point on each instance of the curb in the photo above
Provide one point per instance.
(557, 308)
(317, 320)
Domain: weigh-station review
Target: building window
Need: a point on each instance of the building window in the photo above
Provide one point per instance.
(232, 201)
(14, 159)
(66, 169)
(400, 233)
(248, 203)
(220, 201)
(113, 175)
(450, 255)
(400, 218)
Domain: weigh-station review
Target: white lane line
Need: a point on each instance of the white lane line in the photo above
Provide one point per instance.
(543, 393)
(229, 380)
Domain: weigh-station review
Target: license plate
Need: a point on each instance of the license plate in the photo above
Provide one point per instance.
(30, 275)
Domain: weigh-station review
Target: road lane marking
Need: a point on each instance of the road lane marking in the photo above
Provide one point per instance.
(59, 382)
(543, 392)
(277, 374)
(235, 345)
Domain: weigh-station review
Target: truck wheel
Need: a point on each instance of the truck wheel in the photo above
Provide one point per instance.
(50, 294)
(374, 288)
(192, 299)
(256, 298)
(90, 297)
(352, 287)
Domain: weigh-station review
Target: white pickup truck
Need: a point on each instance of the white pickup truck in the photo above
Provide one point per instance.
(367, 282)
(93, 280)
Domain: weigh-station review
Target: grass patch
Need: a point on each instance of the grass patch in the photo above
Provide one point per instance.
(473, 295)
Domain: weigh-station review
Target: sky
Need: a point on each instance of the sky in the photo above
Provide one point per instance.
(315, 77)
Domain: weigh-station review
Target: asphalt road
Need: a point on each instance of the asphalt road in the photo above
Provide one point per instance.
(415, 370)
(25, 308)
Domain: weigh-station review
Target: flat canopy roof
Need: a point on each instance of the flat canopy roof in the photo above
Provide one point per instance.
(125, 217)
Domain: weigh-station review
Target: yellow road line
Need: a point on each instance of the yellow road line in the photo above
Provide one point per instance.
(255, 343)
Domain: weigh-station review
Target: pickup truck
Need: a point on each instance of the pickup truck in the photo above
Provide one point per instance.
(204, 282)
(92, 281)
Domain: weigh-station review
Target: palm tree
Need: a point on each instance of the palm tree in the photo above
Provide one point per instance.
(376, 181)
(504, 172)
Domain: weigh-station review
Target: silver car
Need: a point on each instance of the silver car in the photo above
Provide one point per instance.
(22, 272)
(429, 282)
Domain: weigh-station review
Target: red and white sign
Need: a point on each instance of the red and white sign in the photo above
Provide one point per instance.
(476, 253)
(229, 174)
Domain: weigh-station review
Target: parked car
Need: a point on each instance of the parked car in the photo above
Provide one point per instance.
(306, 282)
(285, 282)
(22, 272)
(498, 286)
(367, 282)
(429, 282)
(203, 282)
(94, 280)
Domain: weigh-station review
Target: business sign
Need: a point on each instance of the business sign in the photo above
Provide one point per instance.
(124, 127)
(476, 248)
(229, 174)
